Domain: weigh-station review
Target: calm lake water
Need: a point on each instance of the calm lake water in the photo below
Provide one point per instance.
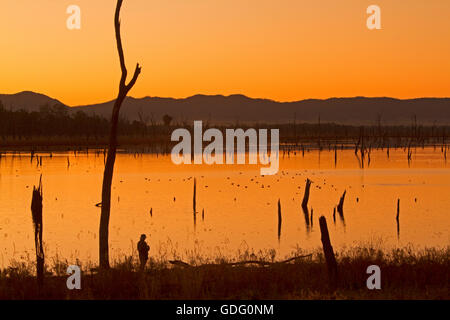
(240, 206)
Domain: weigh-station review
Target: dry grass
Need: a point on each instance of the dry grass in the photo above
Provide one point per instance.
(405, 274)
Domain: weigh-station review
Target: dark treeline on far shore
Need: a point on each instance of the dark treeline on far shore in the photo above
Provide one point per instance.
(54, 121)
(55, 126)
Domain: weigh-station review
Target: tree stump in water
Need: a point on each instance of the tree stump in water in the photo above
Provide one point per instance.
(329, 253)
(306, 195)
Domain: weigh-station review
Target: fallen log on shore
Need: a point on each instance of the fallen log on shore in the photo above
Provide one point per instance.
(183, 264)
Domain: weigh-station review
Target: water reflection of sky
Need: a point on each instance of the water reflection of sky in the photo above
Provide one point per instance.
(240, 206)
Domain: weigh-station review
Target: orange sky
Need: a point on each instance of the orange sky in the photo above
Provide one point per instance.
(279, 49)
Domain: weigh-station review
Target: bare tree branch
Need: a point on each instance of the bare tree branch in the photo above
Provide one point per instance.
(119, 44)
(137, 72)
(111, 157)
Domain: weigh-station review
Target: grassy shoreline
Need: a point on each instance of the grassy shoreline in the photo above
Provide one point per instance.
(405, 274)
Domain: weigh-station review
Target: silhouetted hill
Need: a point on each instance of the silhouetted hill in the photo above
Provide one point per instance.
(27, 100)
(239, 108)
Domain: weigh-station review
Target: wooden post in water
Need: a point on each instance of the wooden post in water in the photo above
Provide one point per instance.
(329, 253)
(36, 213)
(279, 219)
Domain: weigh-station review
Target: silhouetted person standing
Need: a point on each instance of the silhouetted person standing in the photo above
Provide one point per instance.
(143, 249)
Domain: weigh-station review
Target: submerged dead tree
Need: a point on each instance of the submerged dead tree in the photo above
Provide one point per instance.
(111, 156)
(340, 207)
(36, 213)
(194, 202)
(306, 195)
(397, 218)
(305, 204)
(279, 219)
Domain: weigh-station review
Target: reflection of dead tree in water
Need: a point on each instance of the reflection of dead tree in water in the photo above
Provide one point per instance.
(409, 155)
(111, 156)
(360, 163)
(307, 222)
(36, 212)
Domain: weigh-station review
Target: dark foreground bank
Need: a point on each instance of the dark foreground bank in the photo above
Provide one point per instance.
(403, 275)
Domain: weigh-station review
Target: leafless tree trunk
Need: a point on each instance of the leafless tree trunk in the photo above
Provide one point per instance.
(195, 202)
(279, 219)
(340, 207)
(36, 213)
(329, 253)
(306, 195)
(111, 157)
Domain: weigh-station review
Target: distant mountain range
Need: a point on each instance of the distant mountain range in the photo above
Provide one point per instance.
(239, 108)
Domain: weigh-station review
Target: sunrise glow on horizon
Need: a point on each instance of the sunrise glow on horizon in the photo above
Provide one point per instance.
(281, 50)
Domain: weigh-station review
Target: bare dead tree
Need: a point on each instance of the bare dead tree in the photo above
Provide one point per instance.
(340, 207)
(279, 219)
(111, 157)
(36, 213)
(329, 253)
(195, 202)
(398, 218)
(306, 195)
